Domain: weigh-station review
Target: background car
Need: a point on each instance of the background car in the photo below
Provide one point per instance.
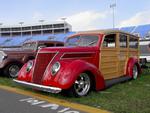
(11, 60)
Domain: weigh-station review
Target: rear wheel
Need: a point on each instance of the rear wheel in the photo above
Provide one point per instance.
(82, 85)
(135, 72)
(12, 70)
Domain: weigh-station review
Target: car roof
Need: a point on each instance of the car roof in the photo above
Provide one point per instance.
(105, 31)
(43, 41)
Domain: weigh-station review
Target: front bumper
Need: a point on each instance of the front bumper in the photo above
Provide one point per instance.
(38, 87)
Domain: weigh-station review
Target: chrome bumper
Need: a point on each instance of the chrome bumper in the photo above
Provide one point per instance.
(38, 87)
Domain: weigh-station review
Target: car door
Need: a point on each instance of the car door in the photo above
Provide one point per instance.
(123, 53)
(109, 56)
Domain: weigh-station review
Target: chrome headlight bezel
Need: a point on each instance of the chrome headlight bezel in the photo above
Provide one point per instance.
(2, 55)
(29, 66)
(55, 68)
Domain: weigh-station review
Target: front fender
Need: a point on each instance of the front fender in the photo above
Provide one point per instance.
(74, 69)
(6, 62)
(23, 75)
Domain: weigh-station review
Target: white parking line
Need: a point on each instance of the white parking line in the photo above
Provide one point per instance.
(52, 106)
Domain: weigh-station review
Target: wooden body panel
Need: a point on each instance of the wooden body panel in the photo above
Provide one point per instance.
(113, 60)
(109, 63)
(123, 59)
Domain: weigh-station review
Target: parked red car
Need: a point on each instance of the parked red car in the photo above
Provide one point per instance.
(89, 60)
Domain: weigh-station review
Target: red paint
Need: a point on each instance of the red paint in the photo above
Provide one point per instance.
(73, 61)
(130, 64)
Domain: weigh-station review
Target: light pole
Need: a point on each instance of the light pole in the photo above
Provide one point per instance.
(41, 21)
(112, 6)
(21, 23)
(1, 29)
(64, 20)
(1, 24)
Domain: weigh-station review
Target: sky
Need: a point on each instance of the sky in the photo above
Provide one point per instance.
(81, 14)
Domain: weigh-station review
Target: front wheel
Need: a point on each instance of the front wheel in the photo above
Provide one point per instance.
(12, 70)
(135, 72)
(82, 85)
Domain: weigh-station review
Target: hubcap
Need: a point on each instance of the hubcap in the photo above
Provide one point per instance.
(13, 70)
(82, 84)
(135, 72)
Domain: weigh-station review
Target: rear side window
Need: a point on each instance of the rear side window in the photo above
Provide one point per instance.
(110, 41)
(123, 40)
(133, 42)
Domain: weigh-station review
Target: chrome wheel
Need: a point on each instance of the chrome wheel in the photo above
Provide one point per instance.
(82, 85)
(13, 71)
(135, 72)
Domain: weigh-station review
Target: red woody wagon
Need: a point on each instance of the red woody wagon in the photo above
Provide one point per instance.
(92, 60)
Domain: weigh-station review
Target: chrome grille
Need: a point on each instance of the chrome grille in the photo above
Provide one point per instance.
(42, 61)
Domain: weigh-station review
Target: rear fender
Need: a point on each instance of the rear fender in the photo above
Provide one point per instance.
(75, 68)
(130, 64)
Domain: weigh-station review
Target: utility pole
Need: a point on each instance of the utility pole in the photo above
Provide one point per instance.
(21, 23)
(1, 29)
(41, 21)
(64, 20)
(113, 6)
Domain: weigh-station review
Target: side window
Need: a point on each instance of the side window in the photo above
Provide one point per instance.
(123, 40)
(59, 44)
(49, 44)
(133, 42)
(110, 41)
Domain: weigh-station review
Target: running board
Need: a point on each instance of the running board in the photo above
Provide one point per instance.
(109, 83)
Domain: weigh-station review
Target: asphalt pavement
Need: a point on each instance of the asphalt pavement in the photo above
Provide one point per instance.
(11, 102)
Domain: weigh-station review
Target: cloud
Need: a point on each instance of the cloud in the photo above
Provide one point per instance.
(137, 19)
(37, 16)
(85, 20)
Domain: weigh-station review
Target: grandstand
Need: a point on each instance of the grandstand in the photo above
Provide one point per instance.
(17, 41)
(53, 28)
(142, 31)
(16, 36)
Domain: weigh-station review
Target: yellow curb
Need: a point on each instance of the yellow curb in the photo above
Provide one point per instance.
(62, 102)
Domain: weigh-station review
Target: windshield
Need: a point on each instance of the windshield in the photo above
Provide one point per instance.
(86, 40)
(29, 46)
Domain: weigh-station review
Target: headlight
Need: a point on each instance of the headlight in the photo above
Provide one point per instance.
(2, 56)
(55, 68)
(29, 66)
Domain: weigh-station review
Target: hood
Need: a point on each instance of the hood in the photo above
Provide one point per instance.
(17, 51)
(70, 49)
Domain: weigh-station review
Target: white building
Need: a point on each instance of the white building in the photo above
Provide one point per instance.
(22, 29)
